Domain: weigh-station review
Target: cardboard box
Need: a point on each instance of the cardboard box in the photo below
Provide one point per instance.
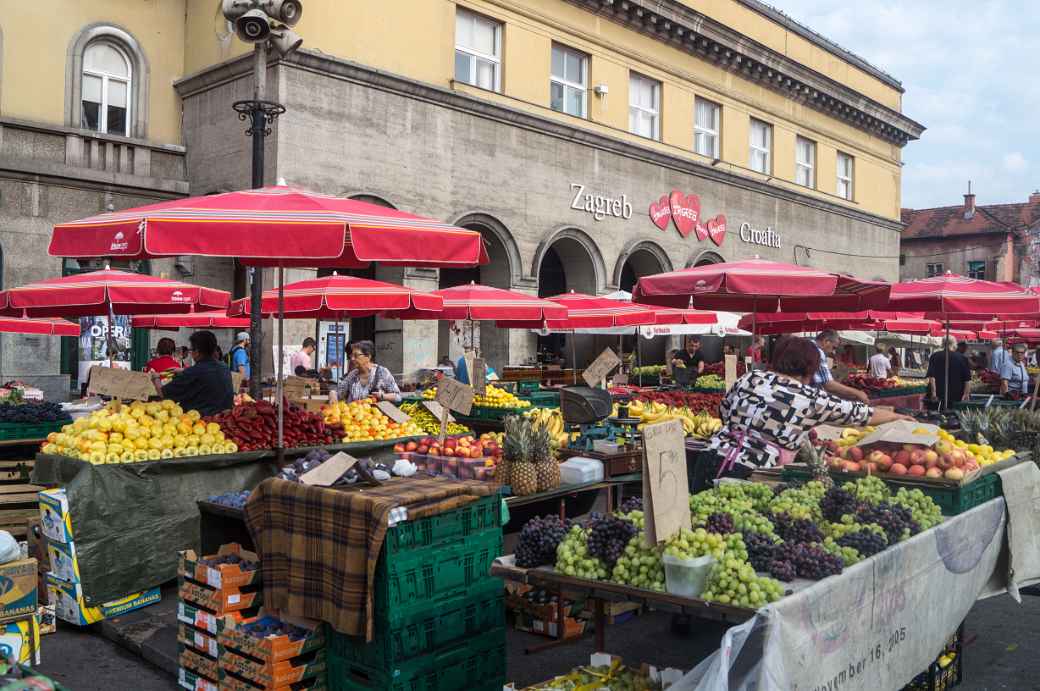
(192, 681)
(198, 663)
(55, 518)
(67, 599)
(572, 627)
(271, 648)
(223, 575)
(18, 589)
(207, 621)
(233, 683)
(219, 601)
(21, 639)
(45, 615)
(62, 557)
(269, 674)
(198, 641)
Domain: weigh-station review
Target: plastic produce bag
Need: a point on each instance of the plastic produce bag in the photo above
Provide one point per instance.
(686, 577)
(404, 468)
(9, 549)
(735, 666)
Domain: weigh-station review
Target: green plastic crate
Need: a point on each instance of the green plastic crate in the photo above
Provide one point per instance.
(477, 664)
(18, 430)
(543, 399)
(484, 413)
(432, 574)
(405, 633)
(433, 531)
(527, 386)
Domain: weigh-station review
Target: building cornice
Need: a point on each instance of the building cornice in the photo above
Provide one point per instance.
(681, 27)
(338, 68)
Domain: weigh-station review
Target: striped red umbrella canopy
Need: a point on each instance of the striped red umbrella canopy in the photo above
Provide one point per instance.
(99, 293)
(951, 296)
(671, 315)
(272, 226)
(588, 312)
(42, 327)
(480, 303)
(340, 297)
(217, 319)
(757, 285)
(939, 330)
(796, 322)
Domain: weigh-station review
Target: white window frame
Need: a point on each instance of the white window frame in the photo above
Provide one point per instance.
(805, 171)
(754, 148)
(846, 181)
(568, 85)
(703, 132)
(655, 112)
(495, 60)
(106, 78)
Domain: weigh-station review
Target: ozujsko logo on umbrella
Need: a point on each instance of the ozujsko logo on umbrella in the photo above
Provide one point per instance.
(119, 242)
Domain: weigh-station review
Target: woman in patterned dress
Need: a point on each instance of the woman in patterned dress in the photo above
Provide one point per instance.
(768, 414)
(367, 379)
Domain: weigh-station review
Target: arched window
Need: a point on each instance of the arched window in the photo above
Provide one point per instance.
(107, 81)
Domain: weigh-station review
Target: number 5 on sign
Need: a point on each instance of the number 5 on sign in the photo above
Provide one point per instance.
(666, 503)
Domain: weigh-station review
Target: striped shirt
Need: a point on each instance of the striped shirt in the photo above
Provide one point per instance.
(351, 388)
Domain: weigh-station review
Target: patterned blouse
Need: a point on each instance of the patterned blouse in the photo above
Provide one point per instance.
(765, 412)
(351, 387)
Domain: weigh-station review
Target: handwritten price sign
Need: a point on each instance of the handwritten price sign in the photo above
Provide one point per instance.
(455, 396)
(477, 369)
(393, 412)
(665, 490)
(601, 367)
(120, 383)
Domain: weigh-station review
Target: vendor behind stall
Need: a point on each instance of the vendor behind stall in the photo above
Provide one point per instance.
(164, 359)
(206, 385)
(367, 379)
(1014, 377)
(767, 416)
(691, 357)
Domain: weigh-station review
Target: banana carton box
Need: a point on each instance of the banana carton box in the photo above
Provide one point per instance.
(70, 606)
(62, 556)
(55, 519)
(21, 640)
(18, 594)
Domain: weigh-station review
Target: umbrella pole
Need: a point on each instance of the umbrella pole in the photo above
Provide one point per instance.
(111, 340)
(281, 358)
(574, 361)
(946, 386)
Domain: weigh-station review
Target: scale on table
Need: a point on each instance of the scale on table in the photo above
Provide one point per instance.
(587, 411)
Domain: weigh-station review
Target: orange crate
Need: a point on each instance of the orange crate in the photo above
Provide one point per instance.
(231, 682)
(219, 602)
(222, 575)
(234, 636)
(198, 641)
(207, 621)
(199, 663)
(267, 674)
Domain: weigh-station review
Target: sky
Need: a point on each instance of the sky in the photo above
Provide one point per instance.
(968, 68)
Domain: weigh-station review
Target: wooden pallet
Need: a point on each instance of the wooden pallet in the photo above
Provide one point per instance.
(19, 502)
(15, 471)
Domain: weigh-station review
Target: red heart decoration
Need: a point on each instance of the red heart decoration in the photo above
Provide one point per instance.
(686, 211)
(661, 212)
(702, 232)
(717, 229)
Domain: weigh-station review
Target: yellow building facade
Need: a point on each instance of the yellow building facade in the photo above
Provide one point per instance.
(769, 123)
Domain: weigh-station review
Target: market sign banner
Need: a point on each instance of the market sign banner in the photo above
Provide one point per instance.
(882, 621)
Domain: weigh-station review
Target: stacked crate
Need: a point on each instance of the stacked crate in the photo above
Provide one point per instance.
(439, 615)
(210, 598)
(272, 660)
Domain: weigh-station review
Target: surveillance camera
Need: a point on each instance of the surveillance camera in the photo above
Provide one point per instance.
(287, 12)
(285, 40)
(233, 9)
(253, 27)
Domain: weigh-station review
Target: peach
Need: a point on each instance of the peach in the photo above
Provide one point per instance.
(871, 468)
(933, 472)
(851, 467)
(901, 456)
(898, 469)
(916, 457)
(954, 474)
(855, 453)
(930, 457)
(917, 470)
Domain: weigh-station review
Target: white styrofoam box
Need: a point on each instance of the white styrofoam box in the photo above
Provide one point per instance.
(577, 470)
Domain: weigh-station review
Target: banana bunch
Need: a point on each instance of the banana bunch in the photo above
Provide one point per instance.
(700, 424)
(552, 420)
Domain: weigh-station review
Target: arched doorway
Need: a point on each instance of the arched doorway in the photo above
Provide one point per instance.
(500, 272)
(568, 261)
(704, 258)
(639, 260)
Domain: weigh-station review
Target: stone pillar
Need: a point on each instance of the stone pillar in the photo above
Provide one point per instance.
(407, 346)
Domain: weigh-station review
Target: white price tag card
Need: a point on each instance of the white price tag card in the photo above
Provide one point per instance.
(393, 412)
(455, 396)
(731, 371)
(120, 383)
(329, 471)
(601, 367)
(665, 487)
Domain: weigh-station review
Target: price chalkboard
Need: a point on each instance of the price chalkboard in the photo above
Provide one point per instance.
(120, 383)
(665, 491)
(601, 367)
(455, 396)
(477, 370)
(393, 412)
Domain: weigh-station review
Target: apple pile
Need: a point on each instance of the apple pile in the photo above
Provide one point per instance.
(487, 446)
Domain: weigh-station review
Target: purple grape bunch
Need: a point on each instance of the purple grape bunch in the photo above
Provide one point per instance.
(796, 530)
(760, 549)
(631, 504)
(866, 542)
(809, 561)
(539, 539)
(608, 536)
(897, 521)
(837, 502)
(721, 523)
(781, 570)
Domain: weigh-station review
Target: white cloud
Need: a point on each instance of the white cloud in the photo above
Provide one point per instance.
(968, 71)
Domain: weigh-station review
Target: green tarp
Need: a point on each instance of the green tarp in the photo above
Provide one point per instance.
(130, 520)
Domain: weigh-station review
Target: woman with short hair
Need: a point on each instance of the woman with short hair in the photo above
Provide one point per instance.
(767, 416)
(367, 379)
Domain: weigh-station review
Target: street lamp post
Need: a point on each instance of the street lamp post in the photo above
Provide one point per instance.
(261, 22)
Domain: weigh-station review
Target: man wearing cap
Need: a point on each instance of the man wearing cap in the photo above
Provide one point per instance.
(239, 355)
(1014, 377)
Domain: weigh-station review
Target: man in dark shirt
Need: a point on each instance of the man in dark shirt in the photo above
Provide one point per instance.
(691, 358)
(206, 385)
(959, 377)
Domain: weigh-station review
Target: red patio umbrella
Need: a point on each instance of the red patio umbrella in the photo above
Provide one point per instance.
(340, 297)
(481, 303)
(588, 312)
(42, 327)
(868, 320)
(950, 297)
(272, 226)
(757, 285)
(671, 315)
(217, 319)
(108, 292)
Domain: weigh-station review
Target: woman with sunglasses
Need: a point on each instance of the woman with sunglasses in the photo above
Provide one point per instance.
(366, 379)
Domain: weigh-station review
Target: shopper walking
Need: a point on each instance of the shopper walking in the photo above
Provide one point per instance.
(879, 365)
(949, 374)
(238, 356)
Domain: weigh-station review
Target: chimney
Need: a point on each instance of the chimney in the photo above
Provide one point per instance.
(969, 204)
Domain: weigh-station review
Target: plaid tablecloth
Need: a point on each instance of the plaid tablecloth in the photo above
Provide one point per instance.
(318, 547)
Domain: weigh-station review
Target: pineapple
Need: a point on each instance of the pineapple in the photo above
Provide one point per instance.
(814, 458)
(518, 449)
(511, 451)
(548, 470)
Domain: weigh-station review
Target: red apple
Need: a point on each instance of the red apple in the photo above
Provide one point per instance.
(917, 470)
(855, 453)
(399, 448)
(871, 468)
(422, 449)
(901, 456)
(898, 469)
(851, 467)
(930, 457)
(933, 472)
(917, 457)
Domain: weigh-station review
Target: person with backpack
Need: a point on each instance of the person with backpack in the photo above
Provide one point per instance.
(238, 356)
